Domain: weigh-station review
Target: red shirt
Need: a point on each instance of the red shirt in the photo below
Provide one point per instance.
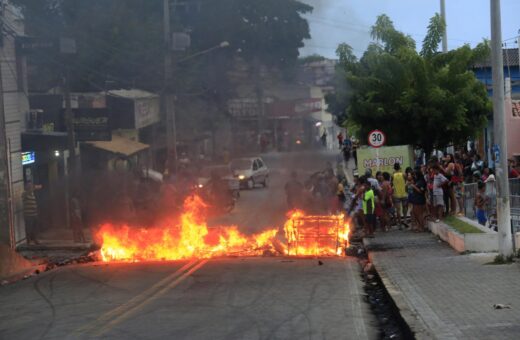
(513, 173)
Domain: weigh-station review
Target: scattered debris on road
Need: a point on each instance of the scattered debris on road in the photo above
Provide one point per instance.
(501, 306)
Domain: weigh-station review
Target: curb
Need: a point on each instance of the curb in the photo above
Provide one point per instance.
(43, 247)
(484, 242)
(24, 274)
(417, 325)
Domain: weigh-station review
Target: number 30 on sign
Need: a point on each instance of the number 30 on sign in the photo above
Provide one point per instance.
(376, 139)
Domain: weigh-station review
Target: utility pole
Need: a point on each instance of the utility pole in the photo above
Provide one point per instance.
(70, 165)
(445, 34)
(505, 241)
(518, 42)
(168, 97)
(5, 180)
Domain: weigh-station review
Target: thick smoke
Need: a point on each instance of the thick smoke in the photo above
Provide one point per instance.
(333, 22)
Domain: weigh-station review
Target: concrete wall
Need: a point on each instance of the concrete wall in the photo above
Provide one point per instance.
(513, 129)
(484, 242)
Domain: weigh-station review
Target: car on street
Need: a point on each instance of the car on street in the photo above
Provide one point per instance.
(250, 171)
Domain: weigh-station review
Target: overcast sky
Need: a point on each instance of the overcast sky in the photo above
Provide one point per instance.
(336, 21)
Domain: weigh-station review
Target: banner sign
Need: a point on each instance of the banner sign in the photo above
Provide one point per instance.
(92, 125)
(388, 157)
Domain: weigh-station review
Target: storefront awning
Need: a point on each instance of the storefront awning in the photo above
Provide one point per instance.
(120, 145)
(44, 141)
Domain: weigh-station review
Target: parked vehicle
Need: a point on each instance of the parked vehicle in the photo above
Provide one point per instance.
(250, 172)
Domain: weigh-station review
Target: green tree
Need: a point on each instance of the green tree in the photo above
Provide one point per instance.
(426, 99)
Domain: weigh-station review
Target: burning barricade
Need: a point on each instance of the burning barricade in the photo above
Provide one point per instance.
(190, 237)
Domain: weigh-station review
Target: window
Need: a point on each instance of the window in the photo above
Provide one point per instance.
(260, 164)
(255, 165)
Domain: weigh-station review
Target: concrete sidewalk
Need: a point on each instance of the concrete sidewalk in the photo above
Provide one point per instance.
(444, 295)
(13, 266)
(59, 239)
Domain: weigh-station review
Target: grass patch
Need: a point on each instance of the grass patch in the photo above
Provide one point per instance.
(500, 259)
(461, 226)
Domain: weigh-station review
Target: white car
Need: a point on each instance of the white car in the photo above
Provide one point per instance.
(250, 172)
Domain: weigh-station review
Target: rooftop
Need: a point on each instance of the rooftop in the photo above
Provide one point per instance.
(120, 145)
(511, 58)
(132, 94)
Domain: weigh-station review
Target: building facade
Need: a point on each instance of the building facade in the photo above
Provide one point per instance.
(15, 111)
(484, 73)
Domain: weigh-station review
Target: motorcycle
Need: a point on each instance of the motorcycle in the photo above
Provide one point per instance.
(219, 201)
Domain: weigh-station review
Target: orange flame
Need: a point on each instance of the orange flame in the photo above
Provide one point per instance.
(316, 235)
(190, 237)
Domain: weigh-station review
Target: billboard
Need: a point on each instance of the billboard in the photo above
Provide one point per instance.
(146, 111)
(92, 125)
(388, 156)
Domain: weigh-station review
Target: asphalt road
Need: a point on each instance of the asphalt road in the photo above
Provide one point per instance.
(229, 298)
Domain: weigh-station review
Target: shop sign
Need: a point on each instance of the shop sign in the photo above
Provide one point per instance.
(147, 112)
(28, 158)
(92, 125)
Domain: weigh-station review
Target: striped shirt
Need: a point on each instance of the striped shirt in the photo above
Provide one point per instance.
(30, 206)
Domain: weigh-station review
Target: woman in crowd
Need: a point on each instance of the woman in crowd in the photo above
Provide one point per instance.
(417, 184)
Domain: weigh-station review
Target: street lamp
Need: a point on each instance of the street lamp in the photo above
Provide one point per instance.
(171, 128)
(223, 44)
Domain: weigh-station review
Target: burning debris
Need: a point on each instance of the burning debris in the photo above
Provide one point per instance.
(190, 237)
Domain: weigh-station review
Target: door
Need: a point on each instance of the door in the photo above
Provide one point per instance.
(256, 172)
(262, 170)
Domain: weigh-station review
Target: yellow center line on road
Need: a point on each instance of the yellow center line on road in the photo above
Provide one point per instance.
(125, 315)
(135, 301)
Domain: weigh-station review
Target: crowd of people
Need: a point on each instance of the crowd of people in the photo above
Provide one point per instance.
(318, 194)
(404, 198)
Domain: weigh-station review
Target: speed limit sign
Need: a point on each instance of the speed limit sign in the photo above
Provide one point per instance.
(376, 139)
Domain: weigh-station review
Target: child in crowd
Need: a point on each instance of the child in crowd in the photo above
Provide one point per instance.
(438, 195)
(480, 203)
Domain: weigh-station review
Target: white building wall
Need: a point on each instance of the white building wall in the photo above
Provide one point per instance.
(326, 119)
(16, 107)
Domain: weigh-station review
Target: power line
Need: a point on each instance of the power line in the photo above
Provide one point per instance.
(366, 29)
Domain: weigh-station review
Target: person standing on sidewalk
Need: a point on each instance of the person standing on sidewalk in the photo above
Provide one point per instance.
(438, 193)
(30, 213)
(418, 200)
(387, 193)
(324, 139)
(340, 139)
(400, 194)
(480, 203)
(355, 147)
(76, 221)
(369, 205)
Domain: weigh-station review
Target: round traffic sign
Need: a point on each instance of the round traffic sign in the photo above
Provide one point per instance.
(376, 139)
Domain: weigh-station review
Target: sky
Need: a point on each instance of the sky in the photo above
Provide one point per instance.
(468, 21)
